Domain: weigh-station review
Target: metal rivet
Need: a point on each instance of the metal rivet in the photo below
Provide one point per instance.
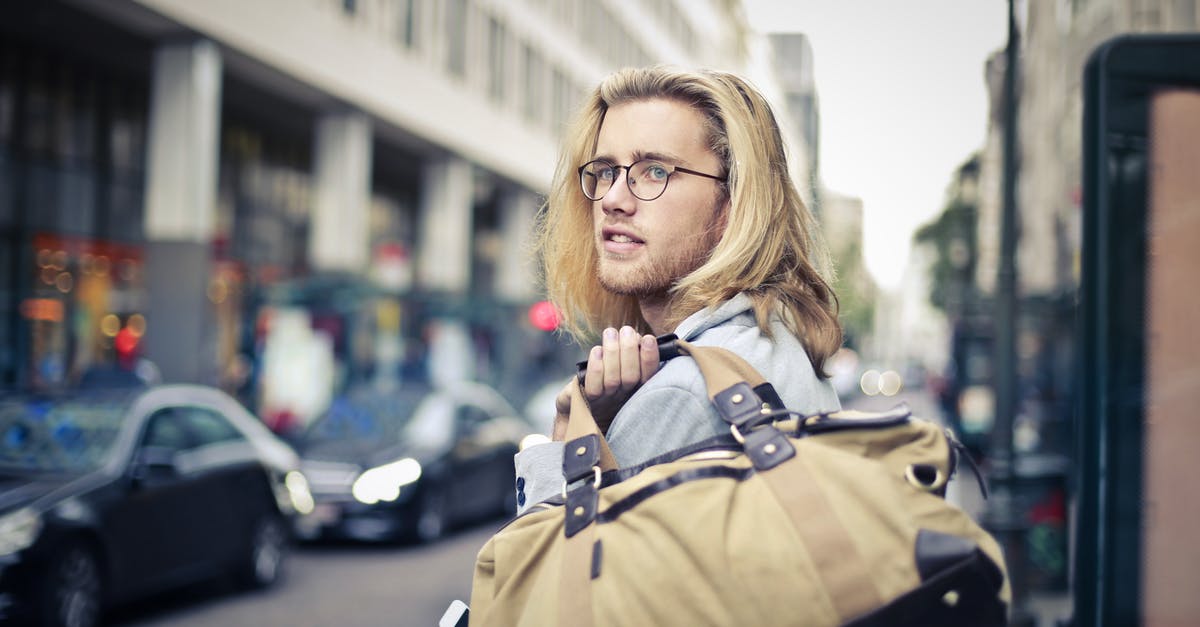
(580, 451)
(766, 411)
(950, 598)
(579, 512)
(769, 449)
(737, 398)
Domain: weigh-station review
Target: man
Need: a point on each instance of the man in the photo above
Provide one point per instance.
(672, 210)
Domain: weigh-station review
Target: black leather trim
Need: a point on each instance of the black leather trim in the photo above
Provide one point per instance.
(973, 584)
(662, 485)
(738, 404)
(580, 510)
(597, 554)
(767, 393)
(723, 442)
(767, 447)
(937, 551)
(580, 456)
(898, 415)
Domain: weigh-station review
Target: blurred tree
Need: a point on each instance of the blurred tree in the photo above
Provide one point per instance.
(953, 237)
(855, 291)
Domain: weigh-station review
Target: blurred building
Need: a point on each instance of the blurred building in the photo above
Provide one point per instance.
(792, 58)
(1057, 39)
(173, 172)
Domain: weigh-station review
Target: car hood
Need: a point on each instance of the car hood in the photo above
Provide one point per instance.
(18, 491)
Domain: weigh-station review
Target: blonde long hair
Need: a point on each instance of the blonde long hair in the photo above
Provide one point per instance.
(770, 249)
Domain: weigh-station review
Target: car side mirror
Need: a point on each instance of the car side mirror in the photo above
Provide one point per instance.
(153, 463)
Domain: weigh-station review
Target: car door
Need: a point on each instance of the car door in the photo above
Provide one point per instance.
(476, 461)
(231, 489)
(152, 527)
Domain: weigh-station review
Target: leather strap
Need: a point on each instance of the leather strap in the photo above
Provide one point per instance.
(582, 423)
(721, 367)
(841, 567)
(844, 572)
(575, 584)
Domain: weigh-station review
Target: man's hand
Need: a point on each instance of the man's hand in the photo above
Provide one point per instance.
(615, 370)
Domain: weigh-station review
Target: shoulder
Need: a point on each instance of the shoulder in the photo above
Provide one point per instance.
(780, 358)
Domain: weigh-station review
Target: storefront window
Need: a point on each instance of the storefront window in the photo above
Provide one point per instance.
(71, 187)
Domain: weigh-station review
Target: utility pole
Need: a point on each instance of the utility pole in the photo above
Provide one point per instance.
(1003, 515)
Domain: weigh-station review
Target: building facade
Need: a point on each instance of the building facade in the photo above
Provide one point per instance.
(176, 176)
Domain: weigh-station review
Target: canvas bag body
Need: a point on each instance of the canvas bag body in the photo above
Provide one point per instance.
(827, 537)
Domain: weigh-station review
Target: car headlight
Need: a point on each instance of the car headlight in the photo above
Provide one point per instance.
(383, 483)
(298, 492)
(18, 530)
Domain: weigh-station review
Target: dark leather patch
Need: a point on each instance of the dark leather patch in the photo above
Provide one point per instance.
(767, 393)
(581, 506)
(579, 456)
(597, 553)
(965, 593)
(738, 404)
(937, 551)
(767, 447)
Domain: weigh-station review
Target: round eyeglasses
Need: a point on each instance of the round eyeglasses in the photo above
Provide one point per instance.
(647, 179)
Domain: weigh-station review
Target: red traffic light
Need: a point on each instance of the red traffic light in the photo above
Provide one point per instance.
(543, 315)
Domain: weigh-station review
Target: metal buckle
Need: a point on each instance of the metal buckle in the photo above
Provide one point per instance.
(596, 481)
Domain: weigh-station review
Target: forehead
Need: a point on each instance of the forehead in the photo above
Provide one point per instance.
(652, 126)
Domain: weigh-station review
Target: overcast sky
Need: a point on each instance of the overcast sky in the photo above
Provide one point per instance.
(903, 103)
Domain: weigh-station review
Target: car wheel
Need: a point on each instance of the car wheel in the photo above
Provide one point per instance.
(431, 519)
(263, 564)
(72, 594)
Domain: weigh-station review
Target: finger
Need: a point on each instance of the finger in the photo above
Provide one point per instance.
(562, 402)
(612, 360)
(593, 382)
(649, 357)
(559, 432)
(631, 364)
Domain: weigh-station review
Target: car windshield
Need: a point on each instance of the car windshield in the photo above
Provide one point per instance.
(366, 416)
(59, 435)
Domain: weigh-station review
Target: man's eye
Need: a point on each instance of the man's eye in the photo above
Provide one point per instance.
(606, 174)
(657, 172)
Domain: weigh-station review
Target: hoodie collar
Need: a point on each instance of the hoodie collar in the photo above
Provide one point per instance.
(707, 318)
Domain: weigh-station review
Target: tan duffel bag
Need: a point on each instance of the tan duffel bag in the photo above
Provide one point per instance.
(826, 520)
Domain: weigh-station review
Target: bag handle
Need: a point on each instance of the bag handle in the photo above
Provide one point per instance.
(720, 367)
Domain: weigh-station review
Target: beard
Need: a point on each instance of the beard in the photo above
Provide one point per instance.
(658, 271)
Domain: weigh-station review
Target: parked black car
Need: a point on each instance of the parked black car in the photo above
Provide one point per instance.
(106, 497)
(407, 464)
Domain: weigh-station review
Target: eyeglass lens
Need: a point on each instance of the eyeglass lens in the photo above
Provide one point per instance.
(646, 179)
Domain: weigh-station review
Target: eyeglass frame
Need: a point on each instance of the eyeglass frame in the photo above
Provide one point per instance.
(629, 184)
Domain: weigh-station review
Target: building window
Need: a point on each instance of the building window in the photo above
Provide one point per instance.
(497, 59)
(532, 103)
(407, 30)
(456, 37)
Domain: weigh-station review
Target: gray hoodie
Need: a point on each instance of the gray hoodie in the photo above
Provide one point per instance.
(672, 409)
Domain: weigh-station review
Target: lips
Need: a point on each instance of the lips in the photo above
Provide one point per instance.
(620, 240)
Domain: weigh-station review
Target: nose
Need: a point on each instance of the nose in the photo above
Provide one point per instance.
(619, 198)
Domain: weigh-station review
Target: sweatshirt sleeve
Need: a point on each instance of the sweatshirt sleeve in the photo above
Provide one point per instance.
(539, 474)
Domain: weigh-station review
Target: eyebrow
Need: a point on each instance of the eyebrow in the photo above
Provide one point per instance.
(638, 155)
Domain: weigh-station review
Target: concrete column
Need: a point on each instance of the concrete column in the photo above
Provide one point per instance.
(181, 164)
(515, 274)
(340, 235)
(446, 212)
(180, 215)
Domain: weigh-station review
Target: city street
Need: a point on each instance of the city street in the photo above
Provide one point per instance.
(347, 585)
